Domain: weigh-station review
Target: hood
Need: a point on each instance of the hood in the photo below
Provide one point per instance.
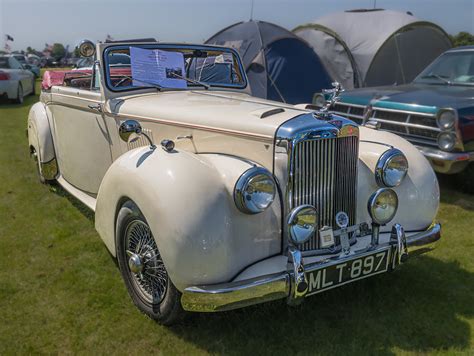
(419, 97)
(222, 111)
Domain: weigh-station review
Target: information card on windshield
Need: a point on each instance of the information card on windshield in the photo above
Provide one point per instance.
(154, 66)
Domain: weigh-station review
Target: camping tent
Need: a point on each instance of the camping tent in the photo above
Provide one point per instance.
(374, 47)
(279, 65)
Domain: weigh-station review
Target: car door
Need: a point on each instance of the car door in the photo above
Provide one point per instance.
(25, 77)
(82, 139)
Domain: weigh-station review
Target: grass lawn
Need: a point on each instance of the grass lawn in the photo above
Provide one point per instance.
(60, 290)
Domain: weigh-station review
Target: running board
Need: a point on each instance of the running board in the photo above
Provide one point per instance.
(84, 198)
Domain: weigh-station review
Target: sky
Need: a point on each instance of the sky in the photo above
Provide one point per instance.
(36, 22)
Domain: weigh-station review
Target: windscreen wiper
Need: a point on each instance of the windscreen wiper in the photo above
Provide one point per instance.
(192, 81)
(157, 86)
(437, 77)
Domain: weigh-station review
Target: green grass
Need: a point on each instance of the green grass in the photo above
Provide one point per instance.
(60, 291)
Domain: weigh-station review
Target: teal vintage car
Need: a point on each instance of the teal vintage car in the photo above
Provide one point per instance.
(435, 112)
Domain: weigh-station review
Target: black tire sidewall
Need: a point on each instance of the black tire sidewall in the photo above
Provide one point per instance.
(169, 310)
(20, 98)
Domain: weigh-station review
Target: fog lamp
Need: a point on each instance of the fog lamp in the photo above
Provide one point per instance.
(302, 223)
(383, 205)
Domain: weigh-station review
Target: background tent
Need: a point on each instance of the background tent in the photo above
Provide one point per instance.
(334, 53)
(280, 66)
(387, 47)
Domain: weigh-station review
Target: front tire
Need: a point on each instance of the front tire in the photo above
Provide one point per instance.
(19, 95)
(143, 270)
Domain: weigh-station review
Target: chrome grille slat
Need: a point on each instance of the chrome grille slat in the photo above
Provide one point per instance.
(325, 175)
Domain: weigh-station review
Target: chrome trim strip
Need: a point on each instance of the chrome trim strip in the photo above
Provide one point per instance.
(406, 124)
(430, 235)
(446, 156)
(263, 138)
(233, 295)
(351, 105)
(404, 112)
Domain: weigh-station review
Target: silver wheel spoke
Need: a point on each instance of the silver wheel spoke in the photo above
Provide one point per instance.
(152, 281)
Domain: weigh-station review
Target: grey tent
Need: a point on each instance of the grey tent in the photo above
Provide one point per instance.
(382, 46)
(280, 66)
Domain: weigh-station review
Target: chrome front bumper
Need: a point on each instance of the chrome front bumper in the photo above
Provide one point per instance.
(446, 162)
(292, 283)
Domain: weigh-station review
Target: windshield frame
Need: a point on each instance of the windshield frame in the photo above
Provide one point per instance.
(106, 69)
(426, 72)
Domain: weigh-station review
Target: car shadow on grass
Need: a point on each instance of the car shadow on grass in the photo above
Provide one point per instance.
(82, 208)
(451, 194)
(421, 307)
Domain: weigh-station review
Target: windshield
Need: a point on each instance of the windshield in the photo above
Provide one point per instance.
(172, 67)
(20, 59)
(453, 68)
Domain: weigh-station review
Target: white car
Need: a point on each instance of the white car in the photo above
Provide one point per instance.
(15, 81)
(212, 199)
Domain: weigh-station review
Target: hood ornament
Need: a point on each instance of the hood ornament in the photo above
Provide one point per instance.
(324, 112)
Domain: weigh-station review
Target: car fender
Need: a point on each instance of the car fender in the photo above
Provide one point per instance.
(41, 139)
(187, 200)
(418, 194)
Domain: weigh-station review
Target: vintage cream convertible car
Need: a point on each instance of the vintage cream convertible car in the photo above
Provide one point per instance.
(211, 199)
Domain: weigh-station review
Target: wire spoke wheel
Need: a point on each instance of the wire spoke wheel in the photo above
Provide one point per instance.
(145, 266)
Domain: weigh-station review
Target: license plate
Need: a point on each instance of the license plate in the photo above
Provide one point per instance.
(348, 271)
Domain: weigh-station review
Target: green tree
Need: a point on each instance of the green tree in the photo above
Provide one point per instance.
(58, 51)
(462, 39)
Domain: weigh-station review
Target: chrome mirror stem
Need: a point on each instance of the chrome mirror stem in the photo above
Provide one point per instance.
(129, 127)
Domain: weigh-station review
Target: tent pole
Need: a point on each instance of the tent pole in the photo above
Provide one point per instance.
(251, 11)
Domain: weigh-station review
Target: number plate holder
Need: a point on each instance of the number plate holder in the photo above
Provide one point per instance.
(348, 270)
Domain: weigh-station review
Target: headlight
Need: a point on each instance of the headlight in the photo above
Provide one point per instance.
(446, 141)
(302, 223)
(391, 168)
(254, 190)
(446, 119)
(383, 205)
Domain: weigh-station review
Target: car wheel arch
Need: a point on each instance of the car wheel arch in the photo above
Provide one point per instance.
(152, 194)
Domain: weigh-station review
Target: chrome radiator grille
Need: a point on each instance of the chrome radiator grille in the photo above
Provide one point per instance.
(325, 176)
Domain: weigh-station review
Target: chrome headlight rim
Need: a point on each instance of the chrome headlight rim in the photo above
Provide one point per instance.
(371, 205)
(241, 200)
(383, 164)
(293, 222)
(453, 137)
(450, 125)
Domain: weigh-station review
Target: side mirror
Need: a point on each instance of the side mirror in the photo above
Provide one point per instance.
(129, 127)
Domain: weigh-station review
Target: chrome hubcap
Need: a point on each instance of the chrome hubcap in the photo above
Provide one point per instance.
(145, 265)
(135, 262)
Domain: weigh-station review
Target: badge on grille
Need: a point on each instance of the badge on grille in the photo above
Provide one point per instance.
(342, 219)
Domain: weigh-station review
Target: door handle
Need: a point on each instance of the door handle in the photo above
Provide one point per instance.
(95, 107)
